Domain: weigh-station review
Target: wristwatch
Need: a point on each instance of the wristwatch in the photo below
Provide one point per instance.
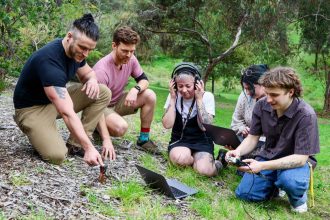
(138, 88)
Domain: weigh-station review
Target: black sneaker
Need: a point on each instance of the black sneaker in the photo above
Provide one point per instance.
(221, 157)
(218, 165)
(148, 146)
(75, 150)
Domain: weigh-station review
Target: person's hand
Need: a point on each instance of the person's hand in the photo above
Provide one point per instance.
(131, 97)
(199, 91)
(172, 89)
(232, 153)
(108, 150)
(91, 88)
(92, 157)
(246, 131)
(254, 166)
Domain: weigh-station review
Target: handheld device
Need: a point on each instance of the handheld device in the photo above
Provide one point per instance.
(236, 161)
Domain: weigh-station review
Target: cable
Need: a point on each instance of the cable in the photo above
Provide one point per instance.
(253, 180)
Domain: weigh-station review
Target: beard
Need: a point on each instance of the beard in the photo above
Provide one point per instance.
(73, 54)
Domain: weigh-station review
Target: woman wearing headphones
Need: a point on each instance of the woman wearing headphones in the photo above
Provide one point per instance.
(188, 106)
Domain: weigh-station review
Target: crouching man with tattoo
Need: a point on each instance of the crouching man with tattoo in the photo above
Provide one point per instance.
(41, 95)
(187, 107)
(290, 127)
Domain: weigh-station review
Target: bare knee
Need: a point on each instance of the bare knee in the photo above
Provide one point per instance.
(181, 159)
(117, 126)
(118, 130)
(204, 164)
(149, 96)
(205, 169)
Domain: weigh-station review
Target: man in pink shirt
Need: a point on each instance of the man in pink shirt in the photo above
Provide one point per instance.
(114, 71)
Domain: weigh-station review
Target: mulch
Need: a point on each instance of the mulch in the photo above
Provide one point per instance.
(29, 186)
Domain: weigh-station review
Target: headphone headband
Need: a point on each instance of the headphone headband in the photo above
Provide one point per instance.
(186, 67)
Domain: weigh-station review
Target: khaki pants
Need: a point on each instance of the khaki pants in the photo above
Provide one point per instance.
(120, 107)
(39, 122)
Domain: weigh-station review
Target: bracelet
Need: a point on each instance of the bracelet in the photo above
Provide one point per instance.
(138, 88)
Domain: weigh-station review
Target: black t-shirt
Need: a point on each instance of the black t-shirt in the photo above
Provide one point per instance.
(49, 66)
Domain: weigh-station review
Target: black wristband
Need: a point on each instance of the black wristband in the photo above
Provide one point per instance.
(138, 88)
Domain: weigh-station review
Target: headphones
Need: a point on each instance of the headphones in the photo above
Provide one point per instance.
(186, 68)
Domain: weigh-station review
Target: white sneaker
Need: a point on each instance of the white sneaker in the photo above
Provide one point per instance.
(300, 209)
(281, 193)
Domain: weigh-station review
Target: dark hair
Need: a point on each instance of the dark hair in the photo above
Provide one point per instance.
(125, 35)
(251, 75)
(284, 78)
(86, 25)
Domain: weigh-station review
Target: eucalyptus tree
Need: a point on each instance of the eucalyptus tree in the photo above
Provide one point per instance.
(210, 31)
(314, 26)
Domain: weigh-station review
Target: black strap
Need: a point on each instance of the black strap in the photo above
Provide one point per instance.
(189, 112)
(186, 119)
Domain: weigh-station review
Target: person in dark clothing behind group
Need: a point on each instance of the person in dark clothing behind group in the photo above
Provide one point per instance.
(41, 95)
(292, 139)
(187, 107)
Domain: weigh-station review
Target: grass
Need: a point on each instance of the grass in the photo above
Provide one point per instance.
(136, 202)
(19, 179)
(3, 85)
(2, 216)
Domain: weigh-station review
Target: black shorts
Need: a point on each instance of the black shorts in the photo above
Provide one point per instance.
(194, 147)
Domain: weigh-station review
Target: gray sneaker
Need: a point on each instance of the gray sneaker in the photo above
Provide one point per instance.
(149, 147)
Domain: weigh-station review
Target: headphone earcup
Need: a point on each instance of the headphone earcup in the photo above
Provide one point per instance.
(175, 85)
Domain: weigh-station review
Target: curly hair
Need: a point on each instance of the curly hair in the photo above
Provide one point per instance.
(125, 35)
(282, 77)
(86, 25)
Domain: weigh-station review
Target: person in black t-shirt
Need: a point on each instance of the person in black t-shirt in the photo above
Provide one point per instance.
(41, 96)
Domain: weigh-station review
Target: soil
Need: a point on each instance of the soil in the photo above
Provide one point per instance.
(29, 185)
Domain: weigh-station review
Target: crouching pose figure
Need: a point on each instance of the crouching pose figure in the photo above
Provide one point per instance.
(187, 107)
(290, 127)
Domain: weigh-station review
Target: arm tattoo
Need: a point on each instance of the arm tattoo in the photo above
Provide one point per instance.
(289, 164)
(60, 91)
(167, 109)
(203, 115)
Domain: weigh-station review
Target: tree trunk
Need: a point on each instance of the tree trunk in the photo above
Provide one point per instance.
(213, 83)
(316, 61)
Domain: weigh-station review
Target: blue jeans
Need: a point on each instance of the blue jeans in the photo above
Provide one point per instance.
(294, 182)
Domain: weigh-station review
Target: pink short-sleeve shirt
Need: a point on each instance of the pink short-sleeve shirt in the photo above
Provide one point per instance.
(116, 79)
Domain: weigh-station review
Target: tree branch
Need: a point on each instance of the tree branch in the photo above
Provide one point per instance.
(215, 61)
(235, 43)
